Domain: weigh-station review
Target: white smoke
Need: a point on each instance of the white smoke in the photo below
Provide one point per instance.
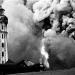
(30, 3)
(20, 37)
(22, 44)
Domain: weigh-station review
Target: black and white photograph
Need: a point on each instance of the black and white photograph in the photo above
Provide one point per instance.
(37, 37)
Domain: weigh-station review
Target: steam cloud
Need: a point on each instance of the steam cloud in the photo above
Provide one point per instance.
(22, 44)
(58, 39)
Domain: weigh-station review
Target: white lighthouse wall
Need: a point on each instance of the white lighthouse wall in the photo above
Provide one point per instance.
(0, 48)
(0, 26)
(3, 39)
(5, 43)
(6, 50)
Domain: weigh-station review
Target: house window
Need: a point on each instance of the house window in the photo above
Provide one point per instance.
(2, 44)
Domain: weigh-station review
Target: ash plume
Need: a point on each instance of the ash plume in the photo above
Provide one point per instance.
(22, 43)
(30, 3)
(25, 41)
(60, 38)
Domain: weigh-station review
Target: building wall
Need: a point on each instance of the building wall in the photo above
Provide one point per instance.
(3, 44)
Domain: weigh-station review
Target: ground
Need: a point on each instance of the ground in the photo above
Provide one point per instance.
(58, 72)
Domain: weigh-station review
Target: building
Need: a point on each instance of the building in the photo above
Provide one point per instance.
(3, 37)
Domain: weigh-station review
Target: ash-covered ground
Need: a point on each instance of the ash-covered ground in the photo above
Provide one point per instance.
(41, 31)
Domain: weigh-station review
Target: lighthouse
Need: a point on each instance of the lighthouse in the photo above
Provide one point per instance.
(3, 37)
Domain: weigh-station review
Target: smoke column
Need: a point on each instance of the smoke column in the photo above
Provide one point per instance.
(22, 44)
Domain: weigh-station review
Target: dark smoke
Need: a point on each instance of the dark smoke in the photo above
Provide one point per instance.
(61, 51)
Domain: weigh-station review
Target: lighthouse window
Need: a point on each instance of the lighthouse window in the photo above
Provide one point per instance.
(2, 62)
(2, 26)
(2, 36)
(2, 44)
(2, 54)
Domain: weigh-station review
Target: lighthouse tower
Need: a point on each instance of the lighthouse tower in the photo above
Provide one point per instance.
(3, 37)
